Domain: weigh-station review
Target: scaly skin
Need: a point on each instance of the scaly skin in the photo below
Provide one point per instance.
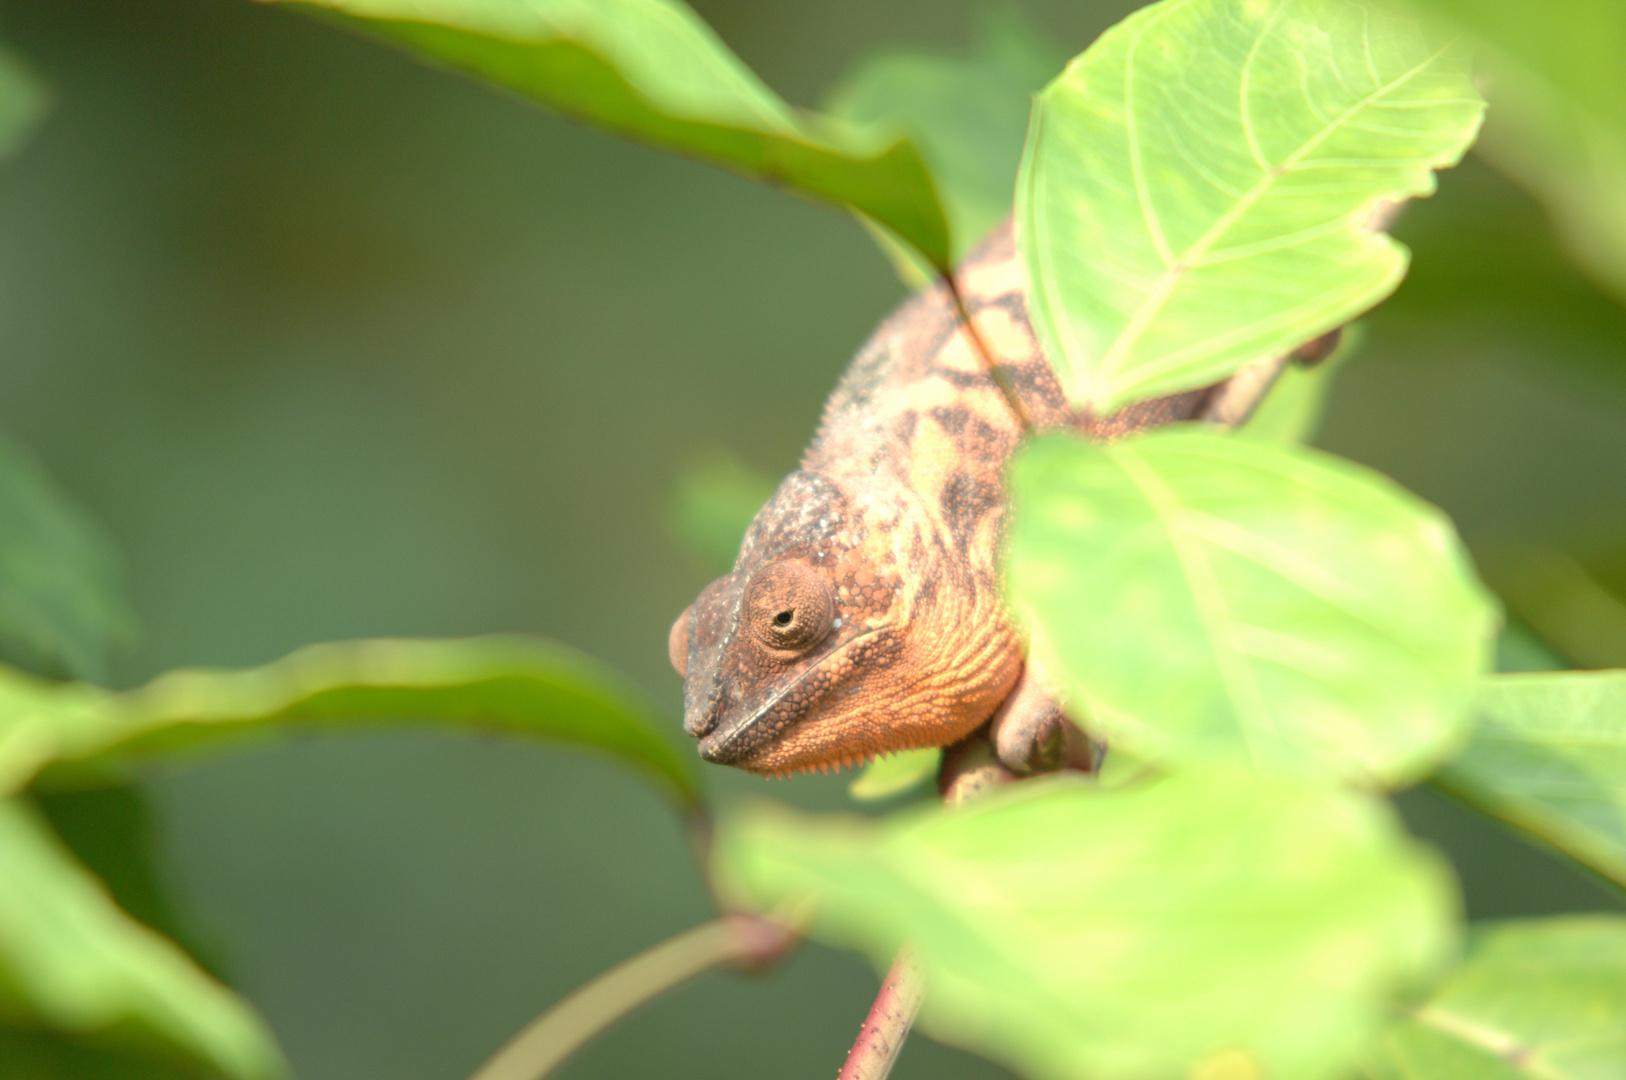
(879, 558)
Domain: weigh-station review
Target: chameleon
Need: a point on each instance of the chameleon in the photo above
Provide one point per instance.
(864, 614)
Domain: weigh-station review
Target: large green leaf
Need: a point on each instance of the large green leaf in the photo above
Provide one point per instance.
(509, 685)
(72, 961)
(1558, 124)
(653, 71)
(1206, 596)
(1197, 186)
(1215, 919)
(1548, 755)
(62, 601)
(967, 114)
(1537, 1000)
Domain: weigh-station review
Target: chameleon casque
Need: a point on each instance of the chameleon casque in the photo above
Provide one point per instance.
(864, 613)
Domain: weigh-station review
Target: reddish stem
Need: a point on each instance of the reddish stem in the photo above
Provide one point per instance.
(881, 1039)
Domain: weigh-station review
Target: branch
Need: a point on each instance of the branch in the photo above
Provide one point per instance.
(552, 1037)
(1001, 380)
(881, 1039)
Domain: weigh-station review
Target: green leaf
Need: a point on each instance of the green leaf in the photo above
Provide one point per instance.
(1548, 755)
(1292, 412)
(968, 115)
(1197, 186)
(506, 685)
(72, 961)
(1142, 933)
(651, 70)
(62, 600)
(715, 501)
(23, 101)
(1558, 121)
(1540, 1000)
(1208, 596)
(893, 774)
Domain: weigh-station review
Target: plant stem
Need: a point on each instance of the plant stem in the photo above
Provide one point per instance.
(881, 1039)
(552, 1037)
(1001, 380)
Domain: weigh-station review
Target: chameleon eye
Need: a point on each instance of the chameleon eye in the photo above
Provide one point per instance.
(789, 608)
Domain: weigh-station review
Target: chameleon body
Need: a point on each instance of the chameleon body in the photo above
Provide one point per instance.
(864, 612)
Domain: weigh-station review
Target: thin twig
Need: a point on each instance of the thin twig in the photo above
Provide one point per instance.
(970, 767)
(881, 1039)
(1001, 379)
(552, 1037)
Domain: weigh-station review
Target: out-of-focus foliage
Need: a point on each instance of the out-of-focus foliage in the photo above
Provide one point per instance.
(1292, 411)
(716, 499)
(1559, 119)
(1198, 187)
(653, 71)
(1289, 608)
(968, 115)
(511, 685)
(62, 601)
(1564, 603)
(1548, 755)
(894, 774)
(71, 960)
(1060, 927)
(1536, 999)
(23, 101)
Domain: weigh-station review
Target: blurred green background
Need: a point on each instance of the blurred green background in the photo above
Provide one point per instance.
(338, 345)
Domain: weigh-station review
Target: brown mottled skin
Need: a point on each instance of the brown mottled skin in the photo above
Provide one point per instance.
(863, 614)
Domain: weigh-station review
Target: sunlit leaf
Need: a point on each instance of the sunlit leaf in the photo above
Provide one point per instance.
(1558, 121)
(1139, 933)
(892, 775)
(1197, 186)
(1536, 1000)
(62, 600)
(968, 114)
(72, 961)
(653, 71)
(23, 101)
(1209, 596)
(507, 685)
(715, 501)
(1548, 755)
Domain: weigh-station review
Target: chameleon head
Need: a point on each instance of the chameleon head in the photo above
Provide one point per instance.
(820, 650)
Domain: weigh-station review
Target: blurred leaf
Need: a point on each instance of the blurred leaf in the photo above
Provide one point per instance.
(1564, 604)
(111, 831)
(651, 70)
(1517, 649)
(1540, 1000)
(894, 774)
(1548, 755)
(1196, 186)
(716, 499)
(1291, 413)
(967, 114)
(23, 101)
(48, 1055)
(1063, 930)
(71, 960)
(62, 601)
(1210, 596)
(501, 684)
(1558, 125)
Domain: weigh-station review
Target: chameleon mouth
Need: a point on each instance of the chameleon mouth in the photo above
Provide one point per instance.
(738, 742)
